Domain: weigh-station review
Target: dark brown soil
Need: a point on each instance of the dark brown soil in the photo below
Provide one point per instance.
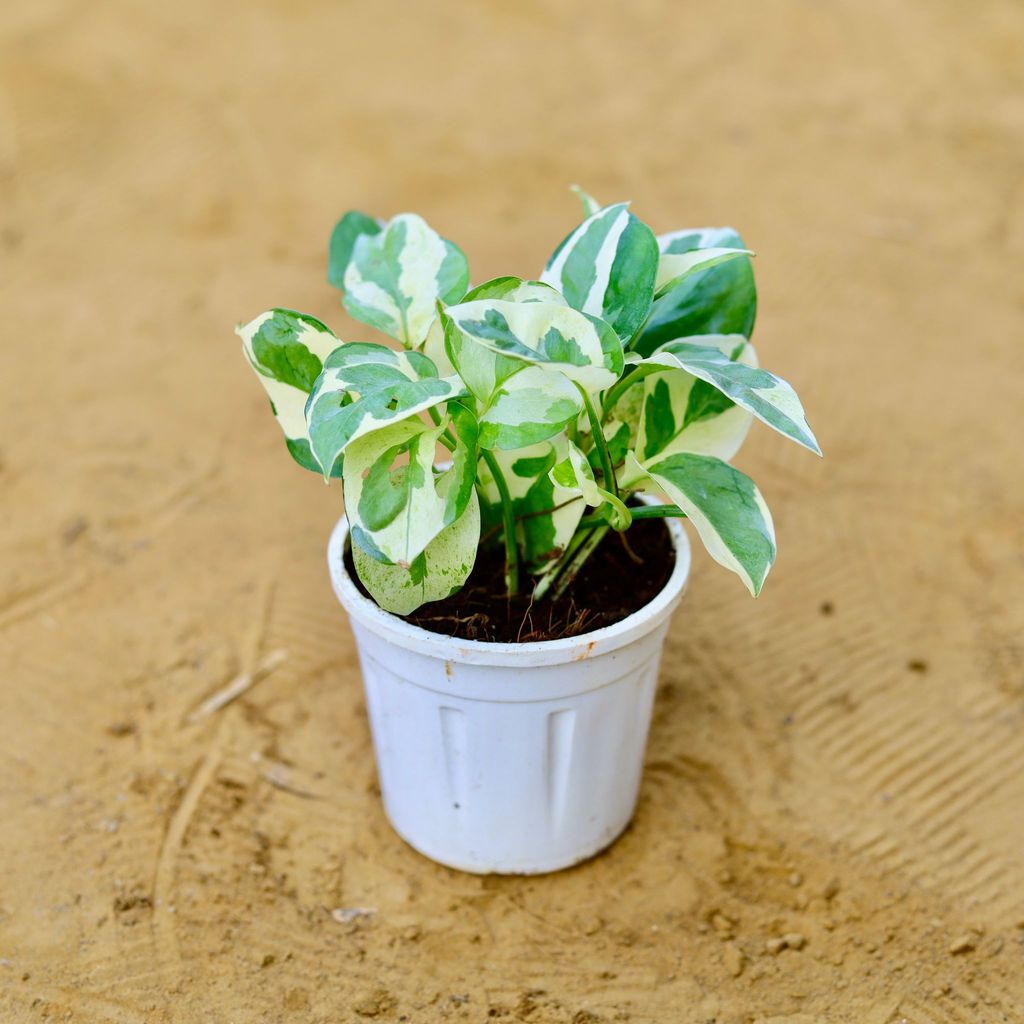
(615, 582)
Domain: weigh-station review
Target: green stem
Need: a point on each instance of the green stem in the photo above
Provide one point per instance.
(644, 512)
(571, 571)
(508, 524)
(446, 438)
(600, 443)
(551, 573)
(617, 390)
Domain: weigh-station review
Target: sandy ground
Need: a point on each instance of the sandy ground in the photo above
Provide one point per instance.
(841, 761)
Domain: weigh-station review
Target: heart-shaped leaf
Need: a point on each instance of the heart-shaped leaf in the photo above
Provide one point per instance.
(530, 406)
(714, 300)
(584, 348)
(607, 267)
(682, 413)
(768, 397)
(364, 388)
(395, 501)
(394, 279)
(286, 349)
(726, 509)
(437, 572)
(346, 233)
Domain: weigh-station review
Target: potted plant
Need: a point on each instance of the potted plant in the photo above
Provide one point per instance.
(508, 618)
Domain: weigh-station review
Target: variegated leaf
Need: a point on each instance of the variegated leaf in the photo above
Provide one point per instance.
(364, 388)
(581, 346)
(573, 471)
(714, 300)
(286, 350)
(482, 369)
(530, 406)
(549, 512)
(395, 501)
(394, 280)
(346, 233)
(673, 268)
(682, 413)
(768, 397)
(437, 572)
(607, 268)
(726, 509)
(515, 289)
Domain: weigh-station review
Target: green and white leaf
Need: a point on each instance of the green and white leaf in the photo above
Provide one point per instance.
(286, 349)
(682, 413)
(726, 509)
(530, 406)
(550, 511)
(343, 240)
(481, 368)
(581, 346)
(434, 348)
(365, 387)
(673, 269)
(714, 300)
(515, 289)
(395, 279)
(394, 500)
(768, 397)
(572, 471)
(607, 267)
(437, 572)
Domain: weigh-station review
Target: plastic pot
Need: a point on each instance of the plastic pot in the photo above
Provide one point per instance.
(509, 758)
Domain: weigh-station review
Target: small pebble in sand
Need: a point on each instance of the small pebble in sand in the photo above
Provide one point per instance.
(831, 889)
(963, 944)
(794, 940)
(733, 959)
(345, 915)
(796, 879)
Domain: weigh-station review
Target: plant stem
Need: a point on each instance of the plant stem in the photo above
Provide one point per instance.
(508, 524)
(644, 512)
(446, 438)
(571, 571)
(617, 390)
(600, 443)
(551, 573)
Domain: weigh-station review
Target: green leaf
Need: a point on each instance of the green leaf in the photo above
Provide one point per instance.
(582, 347)
(714, 300)
(439, 571)
(682, 413)
(395, 279)
(286, 350)
(607, 267)
(573, 472)
(673, 270)
(482, 369)
(394, 496)
(530, 406)
(726, 509)
(343, 240)
(364, 388)
(768, 397)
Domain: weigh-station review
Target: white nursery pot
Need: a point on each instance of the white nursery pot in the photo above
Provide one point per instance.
(510, 758)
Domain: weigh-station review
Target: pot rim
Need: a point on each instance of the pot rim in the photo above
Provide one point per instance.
(483, 652)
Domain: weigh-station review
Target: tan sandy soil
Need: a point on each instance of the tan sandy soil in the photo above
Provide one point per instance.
(841, 761)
